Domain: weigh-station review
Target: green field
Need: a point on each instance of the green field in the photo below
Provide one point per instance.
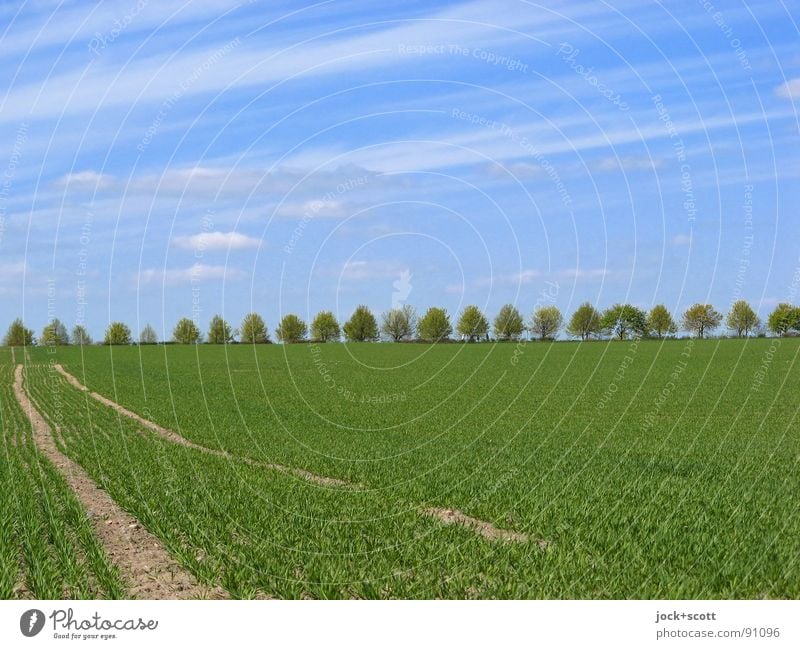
(637, 470)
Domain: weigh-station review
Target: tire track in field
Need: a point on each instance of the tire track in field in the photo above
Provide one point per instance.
(447, 516)
(144, 562)
(174, 437)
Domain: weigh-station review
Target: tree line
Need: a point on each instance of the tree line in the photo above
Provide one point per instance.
(620, 321)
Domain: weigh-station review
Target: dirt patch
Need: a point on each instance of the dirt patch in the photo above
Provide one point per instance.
(143, 561)
(483, 528)
(174, 437)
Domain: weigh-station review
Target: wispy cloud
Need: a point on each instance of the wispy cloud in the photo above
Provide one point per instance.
(87, 180)
(789, 90)
(216, 241)
(193, 274)
(357, 271)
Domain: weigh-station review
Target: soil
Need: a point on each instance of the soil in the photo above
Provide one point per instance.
(146, 566)
(483, 528)
(179, 439)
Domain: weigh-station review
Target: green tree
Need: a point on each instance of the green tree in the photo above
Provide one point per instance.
(186, 332)
(361, 326)
(54, 333)
(325, 328)
(80, 336)
(435, 325)
(660, 322)
(148, 336)
(700, 319)
(291, 329)
(784, 318)
(742, 319)
(546, 322)
(585, 322)
(399, 324)
(219, 331)
(117, 334)
(472, 324)
(623, 320)
(18, 335)
(508, 323)
(254, 330)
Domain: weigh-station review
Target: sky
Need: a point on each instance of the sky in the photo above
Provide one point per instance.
(169, 159)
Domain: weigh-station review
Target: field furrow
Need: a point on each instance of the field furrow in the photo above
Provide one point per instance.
(148, 569)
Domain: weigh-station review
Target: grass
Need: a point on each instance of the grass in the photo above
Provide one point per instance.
(48, 549)
(654, 470)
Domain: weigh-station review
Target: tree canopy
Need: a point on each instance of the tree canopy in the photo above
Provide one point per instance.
(623, 320)
(400, 323)
(742, 319)
(291, 329)
(361, 326)
(546, 322)
(148, 336)
(186, 332)
(18, 335)
(325, 328)
(80, 336)
(219, 331)
(472, 324)
(55, 333)
(435, 325)
(660, 322)
(254, 330)
(508, 323)
(117, 333)
(783, 319)
(700, 319)
(585, 322)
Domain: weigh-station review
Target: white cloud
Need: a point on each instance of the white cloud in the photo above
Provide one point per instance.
(365, 270)
(86, 180)
(217, 241)
(789, 90)
(681, 240)
(10, 274)
(530, 275)
(626, 164)
(316, 208)
(193, 274)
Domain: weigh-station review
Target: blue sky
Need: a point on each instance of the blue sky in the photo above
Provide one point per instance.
(162, 159)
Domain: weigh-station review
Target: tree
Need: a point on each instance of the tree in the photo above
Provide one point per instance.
(585, 322)
(361, 326)
(622, 320)
(784, 318)
(742, 319)
(54, 333)
(18, 335)
(291, 329)
(186, 332)
(700, 318)
(660, 322)
(80, 336)
(435, 325)
(472, 324)
(546, 321)
(219, 331)
(148, 336)
(325, 327)
(254, 330)
(399, 324)
(508, 324)
(117, 334)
